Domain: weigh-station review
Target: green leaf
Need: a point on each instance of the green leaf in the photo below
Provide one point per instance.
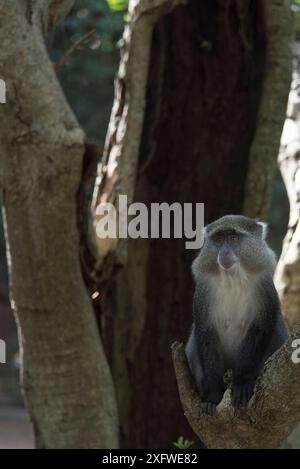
(181, 443)
(118, 5)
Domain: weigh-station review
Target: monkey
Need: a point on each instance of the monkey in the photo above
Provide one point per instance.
(237, 319)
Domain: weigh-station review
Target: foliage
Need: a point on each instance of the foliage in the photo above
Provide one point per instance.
(87, 75)
(296, 10)
(181, 443)
(118, 5)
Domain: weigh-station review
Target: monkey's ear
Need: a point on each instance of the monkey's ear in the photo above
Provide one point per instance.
(263, 227)
(205, 234)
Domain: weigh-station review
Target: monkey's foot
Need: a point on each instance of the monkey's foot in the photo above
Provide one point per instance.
(241, 393)
(209, 408)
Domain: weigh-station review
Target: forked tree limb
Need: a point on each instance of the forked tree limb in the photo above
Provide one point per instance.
(272, 413)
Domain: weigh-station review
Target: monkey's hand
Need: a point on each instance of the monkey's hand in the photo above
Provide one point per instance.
(241, 393)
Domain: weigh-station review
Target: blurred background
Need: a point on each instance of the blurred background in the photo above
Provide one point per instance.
(85, 49)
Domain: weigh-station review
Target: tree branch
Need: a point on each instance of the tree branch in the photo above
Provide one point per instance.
(271, 114)
(117, 170)
(272, 413)
(73, 48)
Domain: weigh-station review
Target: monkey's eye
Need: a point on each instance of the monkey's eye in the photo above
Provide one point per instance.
(233, 236)
(218, 238)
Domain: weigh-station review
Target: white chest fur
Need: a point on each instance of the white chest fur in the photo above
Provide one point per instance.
(232, 307)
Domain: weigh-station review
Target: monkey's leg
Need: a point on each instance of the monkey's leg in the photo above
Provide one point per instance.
(211, 359)
(258, 346)
(212, 391)
(207, 369)
(249, 361)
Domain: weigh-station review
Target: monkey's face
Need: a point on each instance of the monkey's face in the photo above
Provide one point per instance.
(235, 242)
(227, 243)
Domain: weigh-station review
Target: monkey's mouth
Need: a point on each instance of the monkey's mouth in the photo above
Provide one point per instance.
(229, 268)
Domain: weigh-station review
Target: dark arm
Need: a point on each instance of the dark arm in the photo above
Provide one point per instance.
(209, 352)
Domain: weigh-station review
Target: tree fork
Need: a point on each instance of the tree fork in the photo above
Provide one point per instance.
(271, 415)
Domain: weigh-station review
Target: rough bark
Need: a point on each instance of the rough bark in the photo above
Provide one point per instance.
(210, 68)
(117, 170)
(272, 413)
(287, 275)
(66, 380)
(272, 110)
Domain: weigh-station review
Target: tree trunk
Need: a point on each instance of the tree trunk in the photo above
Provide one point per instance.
(287, 275)
(288, 270)
(67, 384)
(216, 90)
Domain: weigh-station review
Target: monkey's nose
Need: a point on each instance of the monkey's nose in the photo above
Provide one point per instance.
(227, 259)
